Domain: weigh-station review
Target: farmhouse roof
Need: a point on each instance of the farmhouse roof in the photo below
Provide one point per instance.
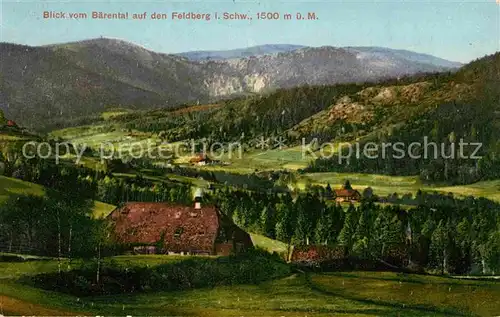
(180, 227)
(199, 158)
(346, 192)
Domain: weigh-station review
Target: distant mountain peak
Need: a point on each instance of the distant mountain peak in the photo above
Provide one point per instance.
(390, 53)
(258, 50)
(102, 41)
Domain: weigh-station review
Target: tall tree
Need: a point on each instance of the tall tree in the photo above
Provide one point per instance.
(346, 235)
(440, 242)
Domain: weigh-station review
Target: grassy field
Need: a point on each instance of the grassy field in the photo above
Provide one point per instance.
(97, 136)
(12, 186)
(102, 209)
(384, 185)
(196, 108)
(110, 114)
(144, 260)
(79, 131)
(269, 244)
(17, 269)
(289, 158)
(13, 134)
(6, 137)
(329, 294)
(486, 189)
(426, 293)
(253, 159)
(116, 142)
(47, 265)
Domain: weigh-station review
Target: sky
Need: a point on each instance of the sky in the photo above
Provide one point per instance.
(456, 30)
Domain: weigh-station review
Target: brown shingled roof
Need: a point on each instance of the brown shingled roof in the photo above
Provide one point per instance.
(182, 228)
(199, 158)
(346, 193)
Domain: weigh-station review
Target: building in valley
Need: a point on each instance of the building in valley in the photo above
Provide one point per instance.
(200, 160)
(166, 228)
(11, 124)
(347, 193)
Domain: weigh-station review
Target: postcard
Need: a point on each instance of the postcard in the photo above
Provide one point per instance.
(249, 158)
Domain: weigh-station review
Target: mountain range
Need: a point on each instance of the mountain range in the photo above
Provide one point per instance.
(64, 82)
(366, 52)
(258, 50)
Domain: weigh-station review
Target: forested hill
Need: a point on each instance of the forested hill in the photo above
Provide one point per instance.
(464, 107)
(441, 106)
(298, 111)
(246, 118)
(42, 85)
(61, 83)
(481, 70)
(239, 119)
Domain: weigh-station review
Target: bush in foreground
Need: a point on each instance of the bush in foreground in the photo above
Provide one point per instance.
(252, 267)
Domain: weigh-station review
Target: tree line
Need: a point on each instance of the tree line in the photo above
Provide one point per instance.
(439, 158)
(441, 233)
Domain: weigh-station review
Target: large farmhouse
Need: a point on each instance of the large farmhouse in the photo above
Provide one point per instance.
(167, 228)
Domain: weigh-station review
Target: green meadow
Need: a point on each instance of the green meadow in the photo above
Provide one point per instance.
(486, 189)
(113, 113)
(11, 186)
(300, 294)
(384, 185)
(268, 244)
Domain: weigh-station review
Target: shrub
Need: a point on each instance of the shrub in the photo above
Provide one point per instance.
(250, 268)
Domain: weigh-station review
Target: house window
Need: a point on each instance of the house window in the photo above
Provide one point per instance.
(178, 232)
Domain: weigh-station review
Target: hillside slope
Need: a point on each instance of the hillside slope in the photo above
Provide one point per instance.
(379, 107)
(386, 107)
(40, 84)
(459, 113)
(11, 186)
(381, 54)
